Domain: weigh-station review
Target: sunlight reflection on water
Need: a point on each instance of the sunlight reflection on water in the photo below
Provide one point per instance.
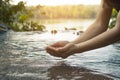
(56, 37)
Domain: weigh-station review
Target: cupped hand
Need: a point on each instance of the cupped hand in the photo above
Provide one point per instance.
(62, 49)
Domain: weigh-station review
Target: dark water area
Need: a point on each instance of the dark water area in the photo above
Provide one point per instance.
(23, 57)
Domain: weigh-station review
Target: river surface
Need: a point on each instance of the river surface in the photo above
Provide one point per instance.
(23, 57)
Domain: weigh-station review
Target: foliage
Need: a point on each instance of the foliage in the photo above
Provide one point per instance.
(4, 11)
(113, 18)
(8, 12)
(28, 26)
(67, 11)
(17, 17)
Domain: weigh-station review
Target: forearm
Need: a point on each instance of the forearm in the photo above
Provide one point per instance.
(104, 39)
(101, 40)
(94, 30)
(99, 26)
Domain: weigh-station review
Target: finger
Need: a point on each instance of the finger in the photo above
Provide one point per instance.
(49, 47)
(57, 44)
(66, 54)
(52, 51)
(60, 43)
(65, 48)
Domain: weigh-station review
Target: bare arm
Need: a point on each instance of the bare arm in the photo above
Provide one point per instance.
(103, 39)
(99, 26)
(96, 35)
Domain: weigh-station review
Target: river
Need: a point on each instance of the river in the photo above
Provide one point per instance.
(23, 57)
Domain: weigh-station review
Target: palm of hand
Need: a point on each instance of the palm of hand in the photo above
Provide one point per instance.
(59, 44)
(52, 49)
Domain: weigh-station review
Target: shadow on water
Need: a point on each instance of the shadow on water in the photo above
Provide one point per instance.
(61, 71)
(66, 72)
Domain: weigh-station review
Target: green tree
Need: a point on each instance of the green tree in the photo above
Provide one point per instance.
(8, 11)
(4, 11)
(113, 18)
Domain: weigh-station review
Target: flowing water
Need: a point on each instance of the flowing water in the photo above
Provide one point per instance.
(23, 57)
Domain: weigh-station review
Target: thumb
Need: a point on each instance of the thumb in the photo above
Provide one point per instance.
(65, 48)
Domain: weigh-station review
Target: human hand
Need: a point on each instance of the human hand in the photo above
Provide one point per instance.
(62, 49)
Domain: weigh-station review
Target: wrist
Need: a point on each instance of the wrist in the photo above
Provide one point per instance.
(79, 48)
